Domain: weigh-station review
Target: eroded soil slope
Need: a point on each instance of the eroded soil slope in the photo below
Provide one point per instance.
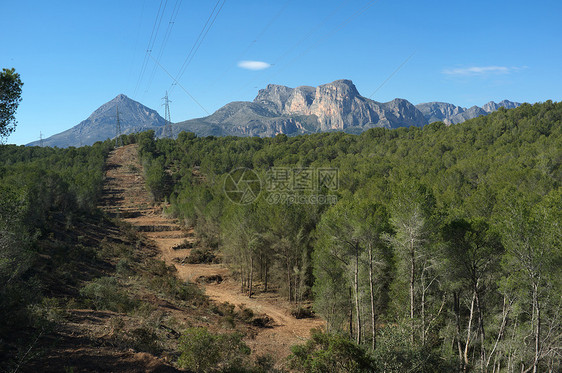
(127, 196)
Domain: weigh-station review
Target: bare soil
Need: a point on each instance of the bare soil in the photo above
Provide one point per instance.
(126, 196)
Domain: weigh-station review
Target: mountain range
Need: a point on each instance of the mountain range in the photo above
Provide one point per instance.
(452, 114)
(335, 106)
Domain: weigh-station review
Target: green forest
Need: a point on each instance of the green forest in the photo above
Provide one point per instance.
(44, 192)
(442, 253)
(437, 249)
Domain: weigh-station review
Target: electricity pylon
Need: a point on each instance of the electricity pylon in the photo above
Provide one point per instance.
(168, 126)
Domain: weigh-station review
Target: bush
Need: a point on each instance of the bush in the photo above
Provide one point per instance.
(202, 256)
(245, 314)
(163, 278)
(104, 293)
(203, 351)
(302, 313)
(325, 352)
(145, 339)
(123, 267)
(395, 353)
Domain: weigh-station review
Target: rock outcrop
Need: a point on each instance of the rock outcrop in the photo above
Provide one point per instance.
(335, 106)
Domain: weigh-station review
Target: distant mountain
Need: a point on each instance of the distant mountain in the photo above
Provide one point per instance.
(492, 106)
(452, 114)
(335, 106)
(133, 117)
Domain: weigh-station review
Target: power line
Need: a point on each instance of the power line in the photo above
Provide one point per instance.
(199, 41)
(149, 47)
(263, 31)
(391, 75)
(136, 41)
(178, 83)
(171, 23)
(156, 35)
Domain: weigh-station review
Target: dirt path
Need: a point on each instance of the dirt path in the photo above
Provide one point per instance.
(125, 194)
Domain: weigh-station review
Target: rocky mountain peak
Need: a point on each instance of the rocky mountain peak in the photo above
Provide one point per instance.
(342, 87)
(100, 125)
(121, 98)
(275, 96)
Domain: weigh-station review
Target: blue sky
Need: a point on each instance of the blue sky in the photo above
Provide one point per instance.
(73, 56)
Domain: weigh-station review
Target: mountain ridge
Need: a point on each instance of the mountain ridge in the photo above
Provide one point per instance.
(453, 114)
(276, 109)
(335, 106)
(101, 124)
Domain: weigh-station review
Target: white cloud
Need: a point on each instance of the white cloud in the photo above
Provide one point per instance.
(482, 70)
(253, 65)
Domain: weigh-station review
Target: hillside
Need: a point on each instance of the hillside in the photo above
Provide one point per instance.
(427, 250)
(84, 285)
(101, 124)
(431, 249)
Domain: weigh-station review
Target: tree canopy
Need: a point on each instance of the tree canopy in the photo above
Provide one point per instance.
(10, 97)
(441, 251)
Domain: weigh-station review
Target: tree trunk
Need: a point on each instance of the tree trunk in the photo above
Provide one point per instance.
(296, 288)
(356, 285)
(350, 314)
(468, 331)
(480, 328)
(456, 306)
(537, 327)
(289, 282)
(266, 270)
(373, 310)
(412, 278)
(423, 307)
(251, 279)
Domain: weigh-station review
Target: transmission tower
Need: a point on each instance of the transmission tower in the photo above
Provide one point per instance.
(40, 139)
(168, 126)
(118, 130)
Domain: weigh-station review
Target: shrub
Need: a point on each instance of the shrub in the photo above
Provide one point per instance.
(145, 339)
(325, 352)
(203, 351)
(245, 314)
(123, 267)
(201, 256)
(104, 293)
(302, 312)
(395, 353)
(163, 278)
